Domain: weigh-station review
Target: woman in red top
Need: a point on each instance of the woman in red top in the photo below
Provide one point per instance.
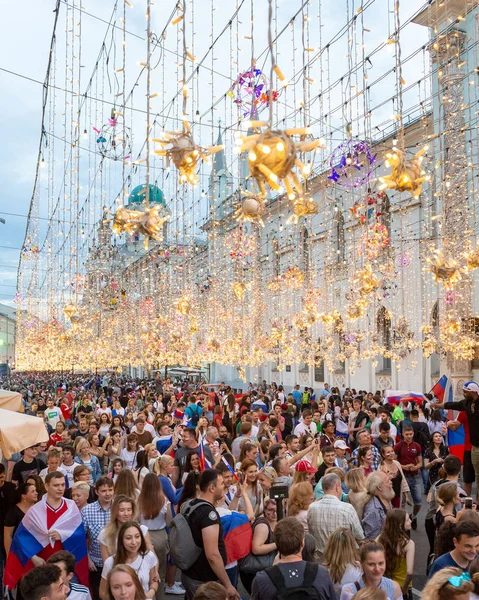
(56, 436)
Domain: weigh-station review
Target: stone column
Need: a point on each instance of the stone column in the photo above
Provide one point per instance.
(447, 56)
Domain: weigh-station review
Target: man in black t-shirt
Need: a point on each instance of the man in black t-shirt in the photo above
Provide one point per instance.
(207, 533)
(7, 501)
(29, 465)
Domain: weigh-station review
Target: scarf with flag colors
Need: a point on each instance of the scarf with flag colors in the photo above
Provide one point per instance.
(32, 539)
(237, 533)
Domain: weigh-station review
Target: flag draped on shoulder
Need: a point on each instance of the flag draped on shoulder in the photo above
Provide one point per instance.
(32, 539)
(204, 462)
(238, 535)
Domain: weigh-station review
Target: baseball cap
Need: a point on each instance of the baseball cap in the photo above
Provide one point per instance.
(342, 445)
(471, 386)
(304, 465)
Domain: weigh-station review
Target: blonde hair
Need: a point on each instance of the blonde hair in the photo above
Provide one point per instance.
(439, 588)
(340, 552)
(83, 486)
(54, 452)
(369, 593)
(111, 530)
(355, 480)
(299, 498)
(163, 462)
(139, 591)
(446, 493)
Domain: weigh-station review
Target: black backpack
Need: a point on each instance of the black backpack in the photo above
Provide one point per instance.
(304, 591)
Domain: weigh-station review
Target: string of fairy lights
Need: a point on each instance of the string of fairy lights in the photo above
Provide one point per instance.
(246, 185)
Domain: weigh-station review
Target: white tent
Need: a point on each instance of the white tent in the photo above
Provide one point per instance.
(11, 400)
(19, 431)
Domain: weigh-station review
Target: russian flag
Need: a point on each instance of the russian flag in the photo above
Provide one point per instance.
(456, 439)
(238, 535)
(163, 443)
(31, 538)
(397, 396)
(229, 468)
(439, 389)
(204, 462)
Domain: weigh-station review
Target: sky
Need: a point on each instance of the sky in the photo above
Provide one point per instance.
(26, 54)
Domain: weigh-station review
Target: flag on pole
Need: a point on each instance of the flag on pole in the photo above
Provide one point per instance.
(456, 439)
(230, 469)
(439, 389)
(204, 462)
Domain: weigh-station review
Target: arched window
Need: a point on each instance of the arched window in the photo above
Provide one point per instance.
(304, 250)
(338, 238)
(275, 258)
(384, 331)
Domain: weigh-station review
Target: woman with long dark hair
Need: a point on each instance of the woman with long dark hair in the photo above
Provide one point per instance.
(190, 488)
(434, 457)
(155, 513)
(192, 463)
(399, 549)
(141, 469)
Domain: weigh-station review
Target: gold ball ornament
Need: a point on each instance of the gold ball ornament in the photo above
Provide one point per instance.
(272, 158)
(406, 174)
(183, 306)
(303, 207)
(444, 271)
(473, 259)
(251, 209)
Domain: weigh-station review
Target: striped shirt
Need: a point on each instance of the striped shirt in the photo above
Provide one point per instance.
(78, 592)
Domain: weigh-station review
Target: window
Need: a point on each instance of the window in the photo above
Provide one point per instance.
(275, 258)
(288, 368)
(319, 369)
(304, 250)
(338, 238)
(384, 331)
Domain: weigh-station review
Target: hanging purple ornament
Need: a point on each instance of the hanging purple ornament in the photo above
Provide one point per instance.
(351, 163)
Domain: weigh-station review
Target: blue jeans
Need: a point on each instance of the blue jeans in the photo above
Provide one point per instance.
(233, 575)
(414, 483)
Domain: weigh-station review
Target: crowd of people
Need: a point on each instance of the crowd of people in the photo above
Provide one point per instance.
(155, 487)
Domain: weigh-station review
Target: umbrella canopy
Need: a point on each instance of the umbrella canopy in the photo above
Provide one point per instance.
(19, 431)
(11, 400)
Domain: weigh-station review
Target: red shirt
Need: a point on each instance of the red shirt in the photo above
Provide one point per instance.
(55, 439)
(462, 418)
(66, 411)
(408, 454)
(52, 516)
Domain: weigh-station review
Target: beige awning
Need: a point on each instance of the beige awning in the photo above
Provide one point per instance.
(19, 431)
(11, 400)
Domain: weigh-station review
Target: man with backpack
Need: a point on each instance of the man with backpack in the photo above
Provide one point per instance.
(292, 578)
(209, 559)
(193, 411)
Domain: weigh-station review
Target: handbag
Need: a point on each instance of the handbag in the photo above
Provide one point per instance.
(253, 563)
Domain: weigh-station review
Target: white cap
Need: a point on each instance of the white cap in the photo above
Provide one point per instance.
(341, 444)
(471, 386)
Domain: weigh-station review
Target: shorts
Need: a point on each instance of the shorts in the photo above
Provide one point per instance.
(468, 474)
(415, 485)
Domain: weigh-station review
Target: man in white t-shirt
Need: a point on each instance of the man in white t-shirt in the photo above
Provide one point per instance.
(53, 414)
(307, 425)
(65, 561)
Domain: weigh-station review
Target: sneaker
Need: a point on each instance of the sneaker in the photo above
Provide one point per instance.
(413, 523)
(175, 589)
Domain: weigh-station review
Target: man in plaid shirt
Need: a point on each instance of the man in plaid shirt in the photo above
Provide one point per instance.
(95, 517)
(329, 513)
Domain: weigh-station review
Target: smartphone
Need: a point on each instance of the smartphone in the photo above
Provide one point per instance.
(468, 502)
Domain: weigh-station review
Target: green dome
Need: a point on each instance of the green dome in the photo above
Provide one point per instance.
(137, 196)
